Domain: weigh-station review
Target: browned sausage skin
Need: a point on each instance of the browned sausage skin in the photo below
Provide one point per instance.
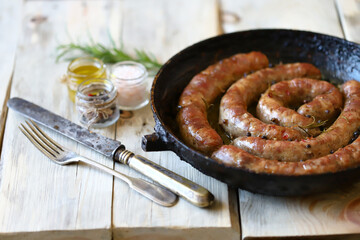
(342, 159)
(235, 118)
(203, 89)
(326, 102)
(335, 137)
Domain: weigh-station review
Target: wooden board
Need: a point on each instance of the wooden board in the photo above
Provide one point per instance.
(334, 215)
(317, 16)
(166, 27)
(10, 21)
(39, 199)
(349, 12)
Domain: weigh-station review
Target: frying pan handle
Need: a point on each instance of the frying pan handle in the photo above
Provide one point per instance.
(153, 142)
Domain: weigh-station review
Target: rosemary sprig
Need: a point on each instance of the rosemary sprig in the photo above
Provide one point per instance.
(107, 54)
(314, 124)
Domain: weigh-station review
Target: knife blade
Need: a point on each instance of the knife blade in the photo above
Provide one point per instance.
(115, 150)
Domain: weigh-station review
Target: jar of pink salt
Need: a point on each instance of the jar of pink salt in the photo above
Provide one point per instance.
(130, 79)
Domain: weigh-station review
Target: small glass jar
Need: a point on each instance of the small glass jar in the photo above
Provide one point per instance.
(96, 103)
(130, 79)
(81, 69)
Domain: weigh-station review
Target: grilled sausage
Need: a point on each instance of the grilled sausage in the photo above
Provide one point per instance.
(343, 158)
(325, 105)
(235, 118)
(335, 137)
(203, 89)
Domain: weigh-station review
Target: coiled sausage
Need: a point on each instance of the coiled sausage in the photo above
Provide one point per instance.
(325, 105)
(336, 136)
(342, 159)
(203, 89)
(235, 118)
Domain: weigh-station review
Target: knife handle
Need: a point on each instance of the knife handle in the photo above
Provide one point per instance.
(183, 187)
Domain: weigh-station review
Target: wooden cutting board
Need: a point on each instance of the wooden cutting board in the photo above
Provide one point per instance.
(41, 200)
(335, 215)
(10, 22)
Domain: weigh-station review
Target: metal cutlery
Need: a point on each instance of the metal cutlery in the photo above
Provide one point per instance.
(190, 191)
(63, 156)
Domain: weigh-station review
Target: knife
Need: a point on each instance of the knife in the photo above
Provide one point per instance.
(192, 192)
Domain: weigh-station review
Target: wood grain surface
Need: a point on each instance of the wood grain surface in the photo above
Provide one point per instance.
(161, 24)
(317, 16)
(42, 200)
(39, 199)
(10, 24)
(349, 12)
(333, 214)
(76, 200)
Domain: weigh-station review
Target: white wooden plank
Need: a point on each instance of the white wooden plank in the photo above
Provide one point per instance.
(318, 16)
(332, 214)
(349, 12)
(10, 24)
(164, 28)
(39, 199)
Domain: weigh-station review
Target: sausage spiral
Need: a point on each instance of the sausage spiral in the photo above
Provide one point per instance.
(203, 89)
(335, 137)
(303, 148)
(343, 158)
(325, 104)
(235, 118)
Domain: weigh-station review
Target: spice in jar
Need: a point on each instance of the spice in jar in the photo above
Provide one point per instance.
(96, 103)
(81, 69)
(130, 79)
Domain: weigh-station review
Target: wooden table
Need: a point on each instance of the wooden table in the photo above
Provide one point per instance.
(42, 200)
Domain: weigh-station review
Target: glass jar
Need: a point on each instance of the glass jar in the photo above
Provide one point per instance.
(96, 103)
(81, 69)
(130, 79)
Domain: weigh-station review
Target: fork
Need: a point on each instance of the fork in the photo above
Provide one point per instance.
(63, 156)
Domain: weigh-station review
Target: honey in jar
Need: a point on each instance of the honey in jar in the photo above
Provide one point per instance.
(81, 69)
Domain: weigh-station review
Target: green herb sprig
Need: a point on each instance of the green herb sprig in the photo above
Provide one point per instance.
(111, 54)
(312, 125)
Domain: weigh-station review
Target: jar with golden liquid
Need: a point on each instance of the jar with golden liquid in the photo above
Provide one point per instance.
(81, 69)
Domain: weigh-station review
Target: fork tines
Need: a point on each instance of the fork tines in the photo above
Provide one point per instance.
(41, 140)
